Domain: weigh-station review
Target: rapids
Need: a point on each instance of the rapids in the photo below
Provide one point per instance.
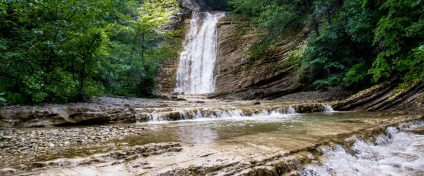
(398, 152)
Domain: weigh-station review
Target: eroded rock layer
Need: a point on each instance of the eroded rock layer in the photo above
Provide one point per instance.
(242, 77)
(385, 96)
(112, 110)
(273, 152)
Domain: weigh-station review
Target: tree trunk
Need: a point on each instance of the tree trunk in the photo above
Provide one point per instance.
(142, 46)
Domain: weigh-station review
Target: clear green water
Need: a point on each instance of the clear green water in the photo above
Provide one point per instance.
(199, 131)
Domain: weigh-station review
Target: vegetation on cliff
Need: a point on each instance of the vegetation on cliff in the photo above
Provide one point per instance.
(351, 43)
(70, 50)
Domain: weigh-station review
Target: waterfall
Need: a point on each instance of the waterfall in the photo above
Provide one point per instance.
(195, 73)
(328, 108)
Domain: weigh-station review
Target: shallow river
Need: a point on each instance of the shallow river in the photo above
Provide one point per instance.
(332, 143)
(283, 127)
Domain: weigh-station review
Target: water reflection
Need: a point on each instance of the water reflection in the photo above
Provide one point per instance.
(197, 134)
(290, 128)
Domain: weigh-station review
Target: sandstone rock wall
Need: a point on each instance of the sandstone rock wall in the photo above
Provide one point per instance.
(168, 73)
(167, 76)
(238, 75)
(385, 96)
(241, 77)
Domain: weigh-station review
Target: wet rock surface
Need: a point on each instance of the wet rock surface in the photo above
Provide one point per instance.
(35, 144)
(325, 95)
(107, 110)
(237, 148)
(385, 96)
(256, 154)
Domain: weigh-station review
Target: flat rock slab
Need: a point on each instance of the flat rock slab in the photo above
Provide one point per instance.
(219, 148)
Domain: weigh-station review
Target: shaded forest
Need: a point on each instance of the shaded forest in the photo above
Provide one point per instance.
(62, 51)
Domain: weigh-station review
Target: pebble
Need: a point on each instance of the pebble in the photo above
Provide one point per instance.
(8, 137)
(19, 147)
(10, 170)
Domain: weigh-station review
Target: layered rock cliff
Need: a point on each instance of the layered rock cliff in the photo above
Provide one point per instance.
(242, 77)
(385, 96)
(239, 76)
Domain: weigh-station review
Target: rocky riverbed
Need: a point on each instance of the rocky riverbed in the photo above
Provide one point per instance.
(256, 145)
(177, 135)
(106, 110)
(35, 144)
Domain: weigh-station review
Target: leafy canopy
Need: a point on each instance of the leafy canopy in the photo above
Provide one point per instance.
(70, 50)
(351, 43)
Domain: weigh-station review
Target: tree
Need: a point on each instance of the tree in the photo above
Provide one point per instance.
(355, 42)
(55, 51)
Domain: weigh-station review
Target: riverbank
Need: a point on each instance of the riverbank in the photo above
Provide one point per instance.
(106, 110)
(259, 145)
(183, 134)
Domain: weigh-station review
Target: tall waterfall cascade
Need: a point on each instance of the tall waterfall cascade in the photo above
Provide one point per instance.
(196, 69)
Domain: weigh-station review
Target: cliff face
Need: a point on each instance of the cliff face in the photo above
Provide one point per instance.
(241, 77)
(167, 76)
(385, 96)
(238, 75)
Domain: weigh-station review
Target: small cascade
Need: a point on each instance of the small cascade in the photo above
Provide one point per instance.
(291, 110)
(160, 115)
(328, 108)
(196, 69)
(395, 153)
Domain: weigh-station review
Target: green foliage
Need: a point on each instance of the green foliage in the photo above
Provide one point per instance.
(398, 34)
(248, 7)
(2, 99)
(328, 57)
(356, 74)
(294, 58)
(278, 19)
(413, 65)
(71, 50)
(351, 43)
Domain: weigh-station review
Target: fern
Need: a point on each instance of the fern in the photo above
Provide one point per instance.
(2, 99)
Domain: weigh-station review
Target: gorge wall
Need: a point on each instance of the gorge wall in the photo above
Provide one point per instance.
(181, 21)
(240, 76)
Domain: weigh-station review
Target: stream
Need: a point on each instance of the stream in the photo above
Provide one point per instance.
(198, 136)
(325, 143)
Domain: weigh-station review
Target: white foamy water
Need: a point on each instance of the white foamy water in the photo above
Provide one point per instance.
(233, 119)
(195, 73)
(233, 114)
(328, 108)
(398, 153)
